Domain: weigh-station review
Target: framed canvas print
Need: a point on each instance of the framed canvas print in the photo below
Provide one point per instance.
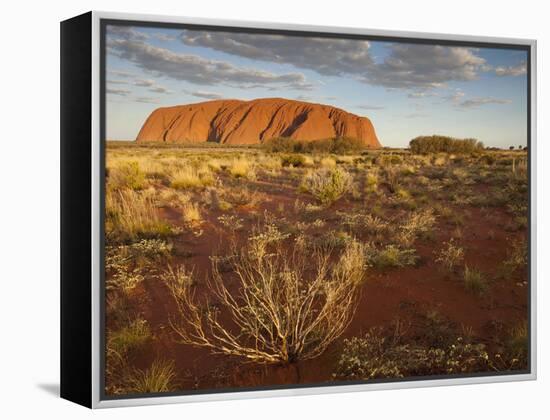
(254, 209)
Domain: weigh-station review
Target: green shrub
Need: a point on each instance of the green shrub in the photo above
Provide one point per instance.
(436, 143)
(336, 145)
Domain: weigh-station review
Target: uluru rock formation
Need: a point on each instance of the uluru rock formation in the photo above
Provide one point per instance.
(252, 122)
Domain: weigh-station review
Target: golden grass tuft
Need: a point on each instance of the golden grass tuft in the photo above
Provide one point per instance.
(191, 177)
(327, 162)
(159, 377)
(241, 168)
(191, 213)
(131, 215)
(474, 281)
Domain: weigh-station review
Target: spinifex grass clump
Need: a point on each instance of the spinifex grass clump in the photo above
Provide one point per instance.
(390, 256)
(126, 175)
(131, 215)
(128, 339)
(159, 377)
(474, 281)
(328, 185)
(191, 177)
(241, 168)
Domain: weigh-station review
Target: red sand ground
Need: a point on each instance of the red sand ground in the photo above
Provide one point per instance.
(388, 295)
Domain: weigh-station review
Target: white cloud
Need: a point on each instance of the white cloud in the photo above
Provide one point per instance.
(199, 70)
(117, 82)
(160, 89)
(119, 92)
(164, 37)
(327, 56)
(125, 32)
(421, 94)
(408, 66)
(516, 70)
(121, 73)
(424, 67)
(203, 94)
(370, 107)
(152, 85)
(455, 97)
(144, 82)
(477, 102)
(146, 100)
(414, 115)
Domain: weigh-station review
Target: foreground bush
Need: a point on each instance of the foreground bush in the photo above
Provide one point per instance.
(435, 144)
(336, 145)
(285, 307)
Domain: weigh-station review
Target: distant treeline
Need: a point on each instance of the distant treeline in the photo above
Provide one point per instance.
(435, 144)
(336, 145)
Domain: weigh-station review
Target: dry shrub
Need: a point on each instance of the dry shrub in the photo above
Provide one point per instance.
(284, 307)
(419, 223)
(450, 256)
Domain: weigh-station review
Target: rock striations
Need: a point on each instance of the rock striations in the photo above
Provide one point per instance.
(252, 122)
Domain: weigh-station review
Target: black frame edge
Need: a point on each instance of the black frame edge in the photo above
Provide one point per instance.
(76, 218)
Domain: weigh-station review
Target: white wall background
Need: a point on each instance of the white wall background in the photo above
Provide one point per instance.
(29, 168)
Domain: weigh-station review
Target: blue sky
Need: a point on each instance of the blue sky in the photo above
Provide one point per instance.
(405, 89)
